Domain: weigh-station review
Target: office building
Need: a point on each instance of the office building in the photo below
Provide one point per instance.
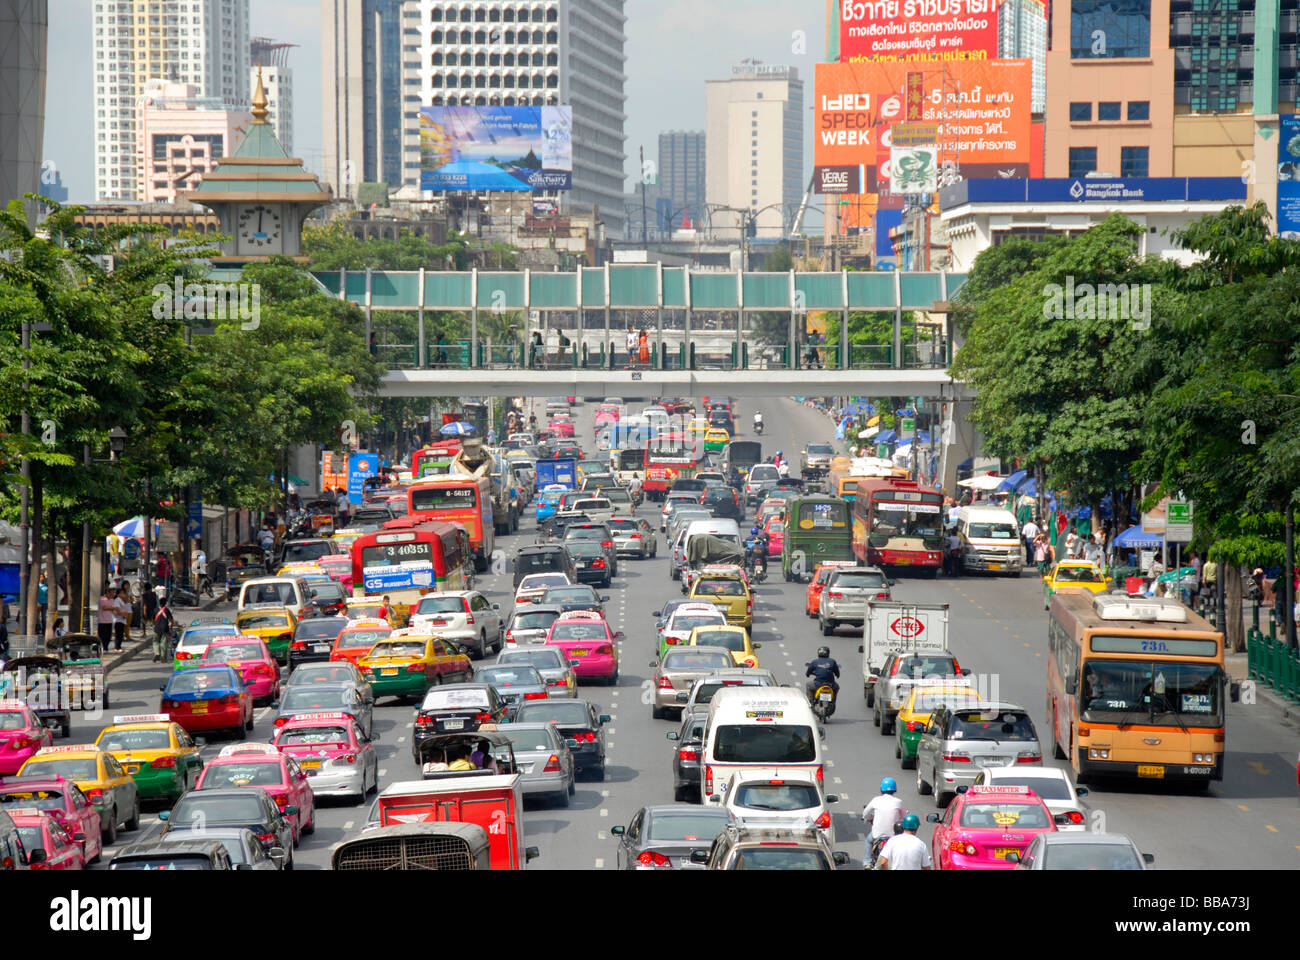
(272, 58)
(182, 136)
(23, 26)
(754, 149)
(204, 43)
(682, 174)
(1022, 35)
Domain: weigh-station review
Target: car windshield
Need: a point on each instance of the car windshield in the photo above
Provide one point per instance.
(571, 714)
(535, 563)
(262, 621)
(686, 622)
(1005, 816)
(820, 449)
(521, 676)
(1137, 691)
(764, 743)
(918, 667)
(198, 681)
(900, 520)
(991, 531)
(441, 605)
(777, 796)
(297, 736)
(226, 652)
(685, 660)
(580, 631)
(542, 659)
(585, 533)
(764, 472)
(80, 768)
(1090, 856)
(262, 773)
(991, 725)
(352, 639)
(719, 588)
(180, 861)
(730, 639)
(705, 691)
(1078, 575)
(268, 593)
(523, 740)
(322, 673)
(327, 591)
(616, 495)
(685, 826)
(398, 648)
(40, 799)
(561, 594)
(13, 720)
(193, 810)
(624, 526)
(128, 740)
(319, 628)
(1049, 788)
(861, 581)
(586, 548)
(306, 698)
(780, 858)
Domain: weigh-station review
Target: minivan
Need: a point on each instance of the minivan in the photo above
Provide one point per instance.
(290, 592)
(542, 558)
(768, 728)
(990, 540)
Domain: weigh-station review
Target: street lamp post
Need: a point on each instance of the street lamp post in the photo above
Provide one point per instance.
(116, 444)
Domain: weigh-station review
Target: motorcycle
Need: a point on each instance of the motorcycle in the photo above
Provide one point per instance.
(758, 427)
(823, 701)
(755, 562)
(878, 844)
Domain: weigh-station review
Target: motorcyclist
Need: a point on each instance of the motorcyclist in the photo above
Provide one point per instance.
(883, 813)
(756, 548)
(782, 465)
(822, 670)
(906, 851)
(758, 421)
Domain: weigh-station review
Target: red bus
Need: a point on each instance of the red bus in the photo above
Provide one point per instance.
(434, 458)
(404, 560)
(898, 523)
(459, 499)
(668, 457)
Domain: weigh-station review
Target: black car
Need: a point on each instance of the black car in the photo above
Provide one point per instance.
(723, 502)
(688, 744)
(455, 708)
(553, 527)
(313, 639)
(665, 835)
(590, 562)
(688, 484)
(576, 720)
(250, 807)
(245, 850)
(579, 596)
(193, 853)
(542, 558)
(595, 532)
(722, 418)
(327, 600)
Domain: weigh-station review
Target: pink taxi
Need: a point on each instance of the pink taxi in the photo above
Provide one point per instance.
(253, 661)
(262, 765)
(775, 530)
(332, 753)
(587, 642)
(984, 824)
(47, 844)
(21, 735)
(63, 800)
(338, 567)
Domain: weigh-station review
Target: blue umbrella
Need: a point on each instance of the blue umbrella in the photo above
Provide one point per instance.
(1012, 482)
(1135, 538)
(886, 436)
(458, 429)
(1030, 489)
(129, 529)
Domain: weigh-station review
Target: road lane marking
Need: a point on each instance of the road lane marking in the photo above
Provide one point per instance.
(401, 739)
(604, 812)
(604, 793)
(600, 834)
(837, 779)
(383, 772)
(1270, 828)
(1258, 767)
(612, 731)
(600, 864)
(1242, 806)
(348, 825)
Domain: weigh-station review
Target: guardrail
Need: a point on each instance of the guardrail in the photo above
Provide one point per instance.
(1272, 661)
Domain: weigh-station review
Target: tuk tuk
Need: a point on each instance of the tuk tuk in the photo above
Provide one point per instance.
(322, 516)
(818, 528)
(247, 561)
(495, 754)
(85, 679)
(416, 846)
(37, 680)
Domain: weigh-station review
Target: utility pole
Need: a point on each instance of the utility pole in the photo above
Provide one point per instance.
(644, 239)
(24, 577)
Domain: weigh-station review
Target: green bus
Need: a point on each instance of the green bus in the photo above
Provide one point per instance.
(817, 528)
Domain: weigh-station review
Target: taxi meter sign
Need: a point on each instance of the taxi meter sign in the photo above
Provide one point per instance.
(907, 627)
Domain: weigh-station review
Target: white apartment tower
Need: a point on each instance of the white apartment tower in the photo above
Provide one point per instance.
(1022, 35)
(753, 135)
(203, 43)
(525, 52)
(277, 83)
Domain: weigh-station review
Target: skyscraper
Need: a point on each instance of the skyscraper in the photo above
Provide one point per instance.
(277, 82)
(754, 147)
(22, 98)
(1022, 35)
(200, 42)
(682, 173)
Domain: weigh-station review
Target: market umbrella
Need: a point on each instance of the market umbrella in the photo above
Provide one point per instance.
(1135, 538)
(1010, 483)
(130, 529)
(458, 429)
(982, 482)
(867, 433)
(1186, 573)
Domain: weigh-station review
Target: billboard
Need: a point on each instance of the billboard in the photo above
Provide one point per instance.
(838, 179)
(1288, 177)
(496, 148)
(918, 30)
(914, 169)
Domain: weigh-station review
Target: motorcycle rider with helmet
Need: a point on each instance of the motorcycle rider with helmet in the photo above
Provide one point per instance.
(822, 671)
(758, 421)
(884, 813)
(756, 550)
(907, 851)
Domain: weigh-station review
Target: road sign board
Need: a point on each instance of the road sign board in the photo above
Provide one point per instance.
(1178, 521)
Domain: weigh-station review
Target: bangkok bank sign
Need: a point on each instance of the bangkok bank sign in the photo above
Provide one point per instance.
(918, 30)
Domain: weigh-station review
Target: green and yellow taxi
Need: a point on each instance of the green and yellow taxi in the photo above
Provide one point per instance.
(157, 753)
(729, 590)
(715, 439)
(109, 788)
(923, 697)
(698, 426)
(300, 568)
(407, 664)
(1074, 575)
(273, 625)
(735, 639)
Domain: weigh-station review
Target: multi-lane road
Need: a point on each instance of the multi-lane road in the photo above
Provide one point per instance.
(997, 628)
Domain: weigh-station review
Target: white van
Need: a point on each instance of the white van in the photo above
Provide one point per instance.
(990, 540)
(290, 592)
(719, 527)
(759, 728)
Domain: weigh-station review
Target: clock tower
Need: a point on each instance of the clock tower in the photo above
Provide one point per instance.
(260, 195)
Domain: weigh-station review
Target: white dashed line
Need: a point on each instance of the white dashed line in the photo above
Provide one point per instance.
(837, 779)
(600, 864)
(401, 739)
(604, 793)
(348, 825)
(604, 812)
(383, 771)
(616, 693)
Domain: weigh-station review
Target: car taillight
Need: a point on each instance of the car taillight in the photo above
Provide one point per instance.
(607, 544)
(42, 865)
(635, 536)
(821, 774)
(665, 683)
(834, 595)
(883, 596)
(163, 763)
(1030, 758)
(347, 758)
(415, 668)
(296, 645)
(961, 846)
(22, 743)
(915, 725)
(650, 858)
(469, 618)
(228, 699)
(281, 799)
(182, 655)
(1084, 732)
(957, 757)
(423, 721)
(586, 737)
(688, 753)
(510, 636)
(824, 821)
(562, 682)
(894, 669)
(281, 721)
(1073, 816)
(605, 648)
(171, 705)
(552, 765)
(535, 695)
(267, 839)
(598, 564)
(482, 717)
(94, 796)
(708, 781)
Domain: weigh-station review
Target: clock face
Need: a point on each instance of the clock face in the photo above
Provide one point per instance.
(258, 227)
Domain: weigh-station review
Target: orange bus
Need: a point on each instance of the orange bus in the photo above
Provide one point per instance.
(435, 459)
(1135, 688)
(457, 499)
(898, 523)
(404, 560)
(668, 457)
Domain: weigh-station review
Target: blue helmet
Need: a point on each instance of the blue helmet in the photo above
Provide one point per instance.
(911, 822)
(888, 785)
(753, 531)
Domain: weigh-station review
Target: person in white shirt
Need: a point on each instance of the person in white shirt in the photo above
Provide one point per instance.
(1027, 533)
(906, 851)
(199, 565)
(882, 813)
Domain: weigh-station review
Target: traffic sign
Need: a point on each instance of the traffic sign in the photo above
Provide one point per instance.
(1178, 521)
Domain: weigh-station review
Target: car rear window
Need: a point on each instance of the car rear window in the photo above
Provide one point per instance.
(918, 667)
(318, 628)
(361, 638)
(571, 714)
(322, 673)
(262, 773)
(197, 681)
(519, 676)
(777, 796)
(269, 593)
(308, 698)
(730, 639)
(579, 631)
(315, 735)
(683, 660)
(327, 591)
(195, 810)
(533, 621)
(180, 861)
(929, 702)
(441, 605)
(539, 562)
(40, 799)
(764, 743)
(263, 621)
(542, 659)
(720, 588)
(985, 725)
(523, 740)
(69, 768)
(398, 648)
(1007, 816)
(135, 740)
(689, 621)
(859, 580)
(1049, 788)
(685, 826)
(1090, 856)
(298, 552)
(780, 858)
(225, 652)
(454, 699)
(13, 720)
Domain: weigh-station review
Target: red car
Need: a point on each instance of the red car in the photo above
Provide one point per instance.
(813, 596)
(775, 530)
(257, 667)
(338, 568)
(63, 800)
(563, 427)
(208, 698)
(21, 735)
(262, 765)
(48, 845)
(585, 637)
(984, 824)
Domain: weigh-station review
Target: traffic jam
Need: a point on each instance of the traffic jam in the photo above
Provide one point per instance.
(637, 636)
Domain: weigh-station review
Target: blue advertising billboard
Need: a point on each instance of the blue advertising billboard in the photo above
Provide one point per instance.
(360, 466)
(496, 148)
(1288, 176)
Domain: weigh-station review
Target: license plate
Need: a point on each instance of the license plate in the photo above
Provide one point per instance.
(199, 706)
(578, 653)
(1154, 771)
(320, 648)
(438, 623)
(133, 768)
(1000, 853)
(993, 761)
(309, 764)
(453, 724)
(388, 673)
(903, 561)
(995, 566)
(826, 697)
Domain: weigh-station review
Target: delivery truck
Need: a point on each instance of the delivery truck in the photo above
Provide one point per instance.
(560, 471)
(890, 626)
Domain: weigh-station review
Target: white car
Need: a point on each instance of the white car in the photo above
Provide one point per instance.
(1052, 784)
(465, 616)
(535, 584)
(687, 617)
(754, 799)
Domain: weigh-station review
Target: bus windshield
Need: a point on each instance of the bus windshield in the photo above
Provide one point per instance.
(444, 497)
(630, 460)
(904, 520)
(1135, 691)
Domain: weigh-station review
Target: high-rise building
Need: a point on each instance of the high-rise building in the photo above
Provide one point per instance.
(23, 28)
(272, 58)
(199, 42)
(182, 136)
(754, 148)
(525, 53)
(1022, 35)
(681, 173)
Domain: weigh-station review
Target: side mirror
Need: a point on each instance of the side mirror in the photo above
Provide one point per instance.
(604, 718)
(79, 837)
(965, 671)
(290, 810)
(164, 815)
(840, 858)
(757, 646)
(1080, 791)
(531, 853)
(620, 635)
(962, 789)
(700, 856)
(496, 606)
(1148, 858)
(1012, 856)
(618, 831)
(673, 735)
(653, 664)
(1072, 686)
(682, 696)
(36, 856)
(931, 818)
(374, 737)
(832, 798)
(821, 733)
(574, 663)
(604, 599)
(860, 649)
(657, 614)
(163, 688)
(200, 741)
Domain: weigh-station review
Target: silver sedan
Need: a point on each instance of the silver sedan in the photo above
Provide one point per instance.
(543, 759)
(634, 537)
(515, 683)
(678, 671)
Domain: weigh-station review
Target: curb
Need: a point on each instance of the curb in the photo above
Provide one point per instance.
(127, 656)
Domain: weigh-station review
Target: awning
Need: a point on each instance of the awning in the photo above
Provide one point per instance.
(868, 433)
(1012, 483)
(887, 436)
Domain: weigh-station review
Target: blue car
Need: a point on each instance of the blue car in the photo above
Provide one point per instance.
(208, 698)
(547, 501)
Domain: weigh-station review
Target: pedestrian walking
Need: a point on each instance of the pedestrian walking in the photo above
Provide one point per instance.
(953, 552)
(342, 503)
(643, 347)
(1030, 533)
(163, 623)
(164, 570)
(104, 621)
(42, 604)
(148, 607)
(631, 347)
(121, 616)
(1042, 553)
(1092, 551)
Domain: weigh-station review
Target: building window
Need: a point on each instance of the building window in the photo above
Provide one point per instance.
(509, 60)
(1083, 160)
(435, 37)
(1080, 112)
(1139, 109)
(1110, 28)
(1133, 161)
(1108, 110)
